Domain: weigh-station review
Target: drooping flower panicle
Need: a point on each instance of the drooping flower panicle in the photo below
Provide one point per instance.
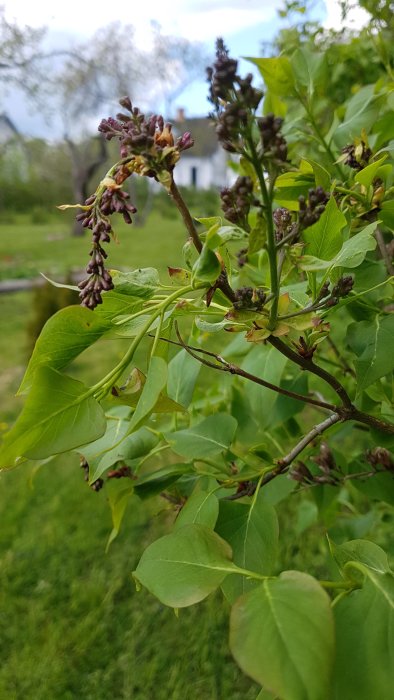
(147, 147)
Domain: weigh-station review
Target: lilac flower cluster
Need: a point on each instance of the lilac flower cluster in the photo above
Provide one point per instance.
(234, 98)
(313, 207)
(149, 141)
(249, 298)
(237, 200)
(108, 200)
(274, 144)
(357, 156)
(284, 224)
(147, 147)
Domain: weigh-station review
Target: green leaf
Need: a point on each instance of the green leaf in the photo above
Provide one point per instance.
(309, 69)
(324, 238)
(183, 371)
(364, 622)
(116, 305)
(162, 405)
(361, 113)
(355, 249)
(207, 267)
(117, 445)
(362, 551)
(106, 446)
(322, 176)
(201, 507)
(140, 283)
(206, 439)
(257, 236)
(252, 531)
(277, 74)
(277, 490)
(185, 567)
(282, 635)
(118, 496)
(209, 327)
(370, 341)
(266, 695)
(381, 487)
(65, 335)
(386, 214)
(131, 327)
(152, 483)
(58, 416)
(267, 363)
(307, 515)
(273, 104)
(179, 276)
(289, 186)
(285, 407)
(366, 175)
(225, 234)
(351, 254)
(155, 382)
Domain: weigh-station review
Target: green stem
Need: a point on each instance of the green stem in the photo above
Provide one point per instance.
(100, 389)
(337, 584)
(157, 334)
(271, 244)
(249, 574)
(351, 193)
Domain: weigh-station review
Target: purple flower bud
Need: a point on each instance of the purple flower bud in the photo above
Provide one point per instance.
(185, 141)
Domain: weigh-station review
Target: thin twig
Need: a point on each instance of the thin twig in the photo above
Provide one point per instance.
(341, 359)
(288, 238)
(225, 366)
(284, 463)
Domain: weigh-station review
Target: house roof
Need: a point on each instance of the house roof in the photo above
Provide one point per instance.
(203, 134)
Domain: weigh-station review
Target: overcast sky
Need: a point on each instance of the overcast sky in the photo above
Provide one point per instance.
(244, 24)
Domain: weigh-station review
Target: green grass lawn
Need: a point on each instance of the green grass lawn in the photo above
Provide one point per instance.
(71, 622)
(27, 250)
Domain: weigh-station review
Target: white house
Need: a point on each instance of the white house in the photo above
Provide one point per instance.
(205, 165)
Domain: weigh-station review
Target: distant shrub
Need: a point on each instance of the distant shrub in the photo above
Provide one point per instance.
(46, 301)
(39, 215)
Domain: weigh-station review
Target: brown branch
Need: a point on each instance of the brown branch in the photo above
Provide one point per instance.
(186, 216)
(225, 366)
(372, 421)
(384, 251)
(284, 463)
(222, 282)
(315, 369)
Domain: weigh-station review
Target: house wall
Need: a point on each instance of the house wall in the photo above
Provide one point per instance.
(204, 172)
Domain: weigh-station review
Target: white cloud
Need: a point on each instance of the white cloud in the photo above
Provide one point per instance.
(357, 18)
(194, 19)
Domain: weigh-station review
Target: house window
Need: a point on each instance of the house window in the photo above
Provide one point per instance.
(193, 176)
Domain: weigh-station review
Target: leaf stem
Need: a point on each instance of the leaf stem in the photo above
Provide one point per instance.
(337, 584)
(100, 389)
